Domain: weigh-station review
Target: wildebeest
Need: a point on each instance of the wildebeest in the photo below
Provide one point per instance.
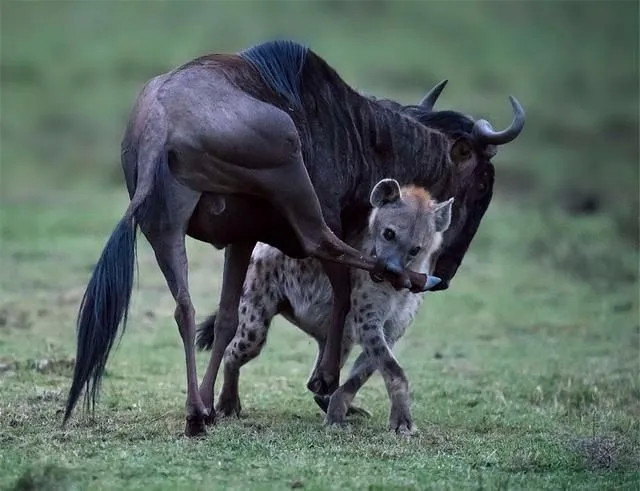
(229, 149)
(405, 227)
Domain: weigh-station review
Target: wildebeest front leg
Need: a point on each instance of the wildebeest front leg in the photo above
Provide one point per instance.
(236, 262)
(326, 376)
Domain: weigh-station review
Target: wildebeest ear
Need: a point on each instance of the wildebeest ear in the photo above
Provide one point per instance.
(443, 215)
(386, 191)
(460, 150)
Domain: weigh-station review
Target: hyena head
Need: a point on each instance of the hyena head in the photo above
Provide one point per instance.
(406, 225)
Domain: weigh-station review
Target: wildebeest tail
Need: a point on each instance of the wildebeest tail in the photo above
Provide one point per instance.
(105, 302)
(206, 333)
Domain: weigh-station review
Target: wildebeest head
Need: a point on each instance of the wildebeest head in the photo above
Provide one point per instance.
(406, 225)
(474, 144)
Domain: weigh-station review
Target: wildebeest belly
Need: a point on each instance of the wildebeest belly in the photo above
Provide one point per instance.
(244, 218)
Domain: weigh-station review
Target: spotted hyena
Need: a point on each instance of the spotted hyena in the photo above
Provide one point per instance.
(405, 228)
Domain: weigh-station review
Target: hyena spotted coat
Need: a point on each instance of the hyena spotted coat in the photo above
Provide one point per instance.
(405, 229)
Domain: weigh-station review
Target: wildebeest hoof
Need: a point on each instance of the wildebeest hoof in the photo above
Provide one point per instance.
(195, 426)
(336, 419)
(323, 403)
(210, 417)
(229, 405)
(323, 383)
(443, 285)
(402, 423)
(432, 281)
(405, 430)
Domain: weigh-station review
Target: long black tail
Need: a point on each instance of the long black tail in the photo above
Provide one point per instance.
(206, 333)
(105, 303)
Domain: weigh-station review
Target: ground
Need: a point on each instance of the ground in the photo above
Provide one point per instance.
(525, 374)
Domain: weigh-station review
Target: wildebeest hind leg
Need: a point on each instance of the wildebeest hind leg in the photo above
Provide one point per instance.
(292, 192)
(236, 262)
(288, 186)
(171, 255)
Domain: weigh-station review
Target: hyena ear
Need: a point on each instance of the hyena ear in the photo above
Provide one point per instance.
(442, 212)
(386, 191)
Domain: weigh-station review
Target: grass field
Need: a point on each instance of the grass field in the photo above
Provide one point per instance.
(525, 374)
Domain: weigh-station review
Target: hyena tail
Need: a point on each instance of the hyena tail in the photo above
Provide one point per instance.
(206, 333)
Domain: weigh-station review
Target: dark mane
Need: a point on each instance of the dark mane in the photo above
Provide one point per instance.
(279, 64)
(452, 123)
(362, 138)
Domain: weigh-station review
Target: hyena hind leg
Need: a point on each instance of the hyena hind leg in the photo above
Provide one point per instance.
(251, 336)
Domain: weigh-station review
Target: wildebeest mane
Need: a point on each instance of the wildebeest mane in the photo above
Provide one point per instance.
(365, 136)
(279, 64)
(344, 135)
(452, 123)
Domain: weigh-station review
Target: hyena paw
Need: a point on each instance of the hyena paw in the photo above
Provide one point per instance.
(337, 410)
(323, 403)
(228, 405)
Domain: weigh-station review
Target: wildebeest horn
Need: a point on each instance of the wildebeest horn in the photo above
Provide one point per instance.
(429, 100)
(483, 132)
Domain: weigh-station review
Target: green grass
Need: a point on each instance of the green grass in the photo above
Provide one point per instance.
(525, 374)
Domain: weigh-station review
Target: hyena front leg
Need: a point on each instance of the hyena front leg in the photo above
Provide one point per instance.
(367, 323)
(395, 380)
(378, 349)
(377, 355)
(339, 405)
(357, 373)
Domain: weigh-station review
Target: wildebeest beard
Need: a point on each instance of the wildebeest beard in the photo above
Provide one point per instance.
(350, 142)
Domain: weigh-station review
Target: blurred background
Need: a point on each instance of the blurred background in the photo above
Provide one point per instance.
(70, 71)
(539, 330)
(566, 198)
(569, 184)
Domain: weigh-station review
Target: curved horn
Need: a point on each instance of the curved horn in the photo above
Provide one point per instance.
(483, 132)
(429, 100)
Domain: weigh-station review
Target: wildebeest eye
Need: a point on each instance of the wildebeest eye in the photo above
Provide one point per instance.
(414, 251)
(389, 234)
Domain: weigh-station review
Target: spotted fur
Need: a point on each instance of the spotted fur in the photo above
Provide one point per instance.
(379, 314)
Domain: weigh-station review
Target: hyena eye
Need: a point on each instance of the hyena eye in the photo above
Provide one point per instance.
(414, 251)
(389, 234)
